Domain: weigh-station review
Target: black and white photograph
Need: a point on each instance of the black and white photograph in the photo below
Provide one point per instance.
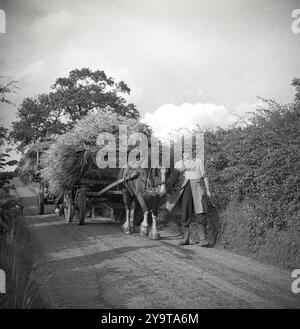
(150, 157)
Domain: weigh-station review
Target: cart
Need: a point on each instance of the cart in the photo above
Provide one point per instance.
(88, 194)
(44, 196)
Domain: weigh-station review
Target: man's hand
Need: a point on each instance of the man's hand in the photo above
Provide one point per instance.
(208, 194)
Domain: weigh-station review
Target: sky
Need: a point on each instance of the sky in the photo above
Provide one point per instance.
(196, 60)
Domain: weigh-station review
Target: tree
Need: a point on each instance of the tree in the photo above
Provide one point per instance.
(6, 89)
(36, 119)
(71, 98)
(296, 84)
(4, 156)
(85, 90)
(5, 162)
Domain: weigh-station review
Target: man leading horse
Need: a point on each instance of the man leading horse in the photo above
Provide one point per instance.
(192, 187)
(193, 191)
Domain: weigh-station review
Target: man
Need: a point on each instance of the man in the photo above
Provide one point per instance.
(194, 191)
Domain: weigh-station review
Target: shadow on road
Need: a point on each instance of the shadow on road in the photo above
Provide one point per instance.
(66, 260)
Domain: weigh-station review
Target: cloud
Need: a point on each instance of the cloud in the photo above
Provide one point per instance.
(170, 117)
(244, 109)
(32, 71)
(52, 24)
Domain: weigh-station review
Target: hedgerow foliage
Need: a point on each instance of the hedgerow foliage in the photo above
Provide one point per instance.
(256, 166)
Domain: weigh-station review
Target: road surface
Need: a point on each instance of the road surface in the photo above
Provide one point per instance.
(97, 266)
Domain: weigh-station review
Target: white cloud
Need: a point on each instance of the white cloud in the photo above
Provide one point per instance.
(169, 117)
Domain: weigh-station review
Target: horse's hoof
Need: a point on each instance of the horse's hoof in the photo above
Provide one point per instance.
(154, 235)
(144, 231)
(126, 229)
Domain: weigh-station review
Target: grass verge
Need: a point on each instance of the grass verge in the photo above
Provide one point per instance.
(16, 259)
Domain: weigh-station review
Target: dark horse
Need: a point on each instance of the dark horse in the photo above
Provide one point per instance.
(146, 188)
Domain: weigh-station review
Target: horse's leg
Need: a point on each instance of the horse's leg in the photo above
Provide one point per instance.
(154, 235)
(131, 217)
(144, 230)
(126, 225)
(126, 200)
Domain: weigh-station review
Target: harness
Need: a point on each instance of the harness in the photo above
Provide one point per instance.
(151, 186)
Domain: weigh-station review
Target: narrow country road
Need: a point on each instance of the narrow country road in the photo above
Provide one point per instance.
(97, 266)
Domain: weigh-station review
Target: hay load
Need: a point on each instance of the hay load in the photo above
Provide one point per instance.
(70, 157)
(30, 163)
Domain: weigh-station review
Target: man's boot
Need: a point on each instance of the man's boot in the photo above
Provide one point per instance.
(204, 242)
(186, 237)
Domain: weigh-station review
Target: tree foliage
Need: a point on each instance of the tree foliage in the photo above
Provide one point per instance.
(6, 89)
(296, 84)
(70, 99)
(5, 162)
(258, 165)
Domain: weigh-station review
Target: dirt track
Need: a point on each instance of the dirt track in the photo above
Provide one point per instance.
(97, 266)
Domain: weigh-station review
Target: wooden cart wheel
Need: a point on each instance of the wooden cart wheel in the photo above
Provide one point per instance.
(68, 206)
(80, 206)
(41, 199)
(119, 215)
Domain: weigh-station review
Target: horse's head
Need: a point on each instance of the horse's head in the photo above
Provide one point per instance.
(163, 180)
(155, 180)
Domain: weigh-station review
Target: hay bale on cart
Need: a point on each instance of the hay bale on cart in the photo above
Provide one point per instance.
(29, 170)
(70, 167)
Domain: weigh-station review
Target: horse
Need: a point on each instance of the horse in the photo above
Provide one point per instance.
(147, 188)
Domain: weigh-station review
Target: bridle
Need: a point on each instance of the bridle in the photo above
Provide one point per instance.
(156, 189)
